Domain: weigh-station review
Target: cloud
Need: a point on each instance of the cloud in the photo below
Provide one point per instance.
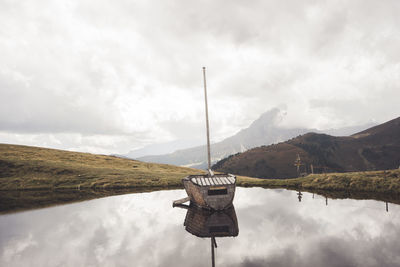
(134, 68)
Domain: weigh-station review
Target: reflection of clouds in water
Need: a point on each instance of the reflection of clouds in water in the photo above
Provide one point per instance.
(128, 230)
(144, 230)
(335, 252)
(17, 246)
(346, 233)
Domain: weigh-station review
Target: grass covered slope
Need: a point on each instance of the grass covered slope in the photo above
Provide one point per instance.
(34, 168)
(59, 174)
(31, 168)
(372, 181)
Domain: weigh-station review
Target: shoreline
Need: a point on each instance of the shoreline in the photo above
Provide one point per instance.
(386, 181)
(46, 176)
(333, 186)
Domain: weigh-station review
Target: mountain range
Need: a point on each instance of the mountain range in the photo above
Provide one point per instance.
(265, 130)
(377, 148)
(163, 148)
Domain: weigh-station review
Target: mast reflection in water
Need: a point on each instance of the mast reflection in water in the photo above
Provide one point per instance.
(211, 224)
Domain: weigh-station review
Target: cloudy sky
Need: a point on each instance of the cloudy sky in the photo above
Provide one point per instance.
(112, 76)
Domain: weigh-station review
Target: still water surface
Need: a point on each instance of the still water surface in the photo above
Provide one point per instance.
(275, 229)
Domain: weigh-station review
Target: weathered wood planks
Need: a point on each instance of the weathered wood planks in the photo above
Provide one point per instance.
(180, 201)
(212, 181)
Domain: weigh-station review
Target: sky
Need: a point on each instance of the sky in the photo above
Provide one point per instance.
(112, 76)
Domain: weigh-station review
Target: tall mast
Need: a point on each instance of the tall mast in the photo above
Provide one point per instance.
(208, 128)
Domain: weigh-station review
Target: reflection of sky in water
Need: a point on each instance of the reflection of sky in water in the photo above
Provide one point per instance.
(144, 230)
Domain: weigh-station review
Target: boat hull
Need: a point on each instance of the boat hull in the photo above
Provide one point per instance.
(214, 197)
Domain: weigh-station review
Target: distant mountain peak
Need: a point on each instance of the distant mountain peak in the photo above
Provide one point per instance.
(265, 130)
(272, 117)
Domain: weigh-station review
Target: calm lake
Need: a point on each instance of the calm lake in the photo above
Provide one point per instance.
(274, 229)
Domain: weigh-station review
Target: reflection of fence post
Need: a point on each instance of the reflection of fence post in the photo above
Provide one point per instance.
(300, 195)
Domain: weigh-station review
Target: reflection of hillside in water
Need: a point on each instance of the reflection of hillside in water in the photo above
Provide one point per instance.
(211, 224)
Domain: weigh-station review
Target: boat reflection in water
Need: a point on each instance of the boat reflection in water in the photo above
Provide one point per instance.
(210, 224)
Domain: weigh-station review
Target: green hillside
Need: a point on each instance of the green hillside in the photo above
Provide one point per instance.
(33, 177)
(387, 181)
(27, 168)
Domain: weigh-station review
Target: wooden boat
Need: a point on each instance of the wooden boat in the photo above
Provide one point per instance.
(214, 192)
(210, 191)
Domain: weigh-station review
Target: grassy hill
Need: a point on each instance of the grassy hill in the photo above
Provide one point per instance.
(387, 181)
(377, 148)
(33, 177)
(35, 168)
(27, 168)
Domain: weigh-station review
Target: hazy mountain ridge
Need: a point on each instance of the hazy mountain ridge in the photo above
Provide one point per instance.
(375, 148)
(162, 148)
(265, 130)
